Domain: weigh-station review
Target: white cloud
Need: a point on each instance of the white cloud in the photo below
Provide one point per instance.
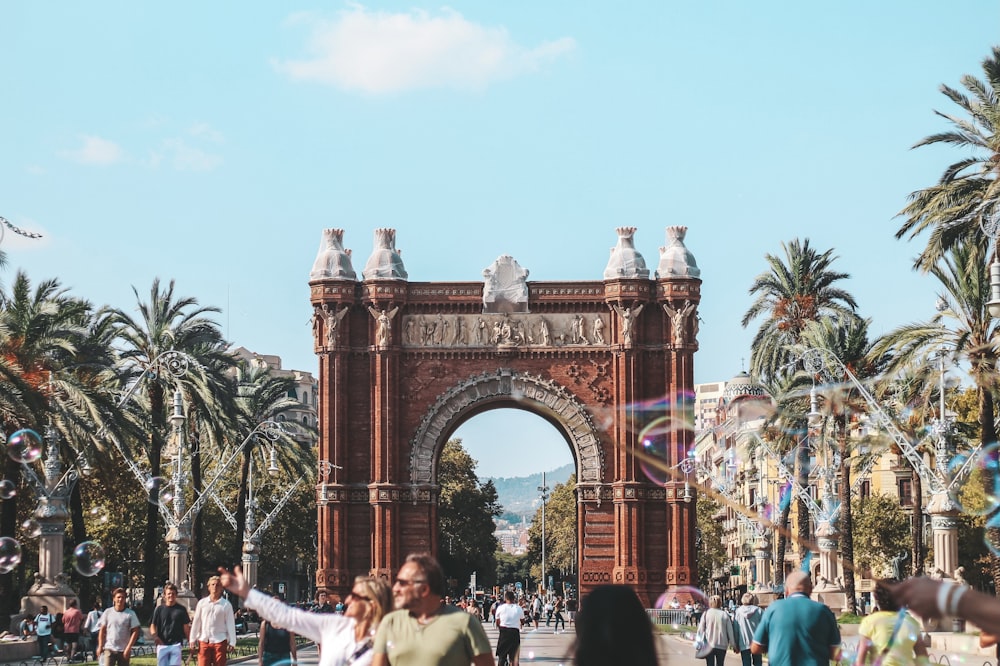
(184, 157)
(205, 131)
(95, 150)
(382, 52)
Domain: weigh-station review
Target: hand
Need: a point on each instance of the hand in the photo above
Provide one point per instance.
(234, 581)
(231, 648)
(920, 595)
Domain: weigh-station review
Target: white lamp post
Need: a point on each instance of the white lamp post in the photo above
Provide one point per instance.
(544, 490)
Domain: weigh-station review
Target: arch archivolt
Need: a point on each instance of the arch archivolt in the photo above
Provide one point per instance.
(529, 391)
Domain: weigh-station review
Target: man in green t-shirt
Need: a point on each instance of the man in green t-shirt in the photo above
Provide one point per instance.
(797, 631)
(423, 631)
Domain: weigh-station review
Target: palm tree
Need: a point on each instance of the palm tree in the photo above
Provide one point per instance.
(51, 374)
(165, 323)
(263, 396)
(792, 293)
(961, 272)
(968, 191)
(848, 342)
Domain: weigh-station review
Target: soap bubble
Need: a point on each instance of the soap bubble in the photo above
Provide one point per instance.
(7, 489)
(31, 528)
(160, 491)
(88, 558)
(973, 481)
(99, 514)
(24, 446)
(684, 594)
(10, 554)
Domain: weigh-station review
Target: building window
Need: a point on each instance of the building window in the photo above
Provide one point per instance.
(905, 487)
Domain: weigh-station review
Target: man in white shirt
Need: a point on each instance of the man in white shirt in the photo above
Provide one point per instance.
(118, 630)
(213, 629)
(509, 616)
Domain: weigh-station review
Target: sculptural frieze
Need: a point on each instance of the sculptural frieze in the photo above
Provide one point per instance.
(502, 330)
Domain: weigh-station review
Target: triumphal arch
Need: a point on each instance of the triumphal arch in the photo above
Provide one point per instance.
(403, 364)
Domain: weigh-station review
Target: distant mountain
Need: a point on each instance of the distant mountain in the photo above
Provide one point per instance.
(519, 494)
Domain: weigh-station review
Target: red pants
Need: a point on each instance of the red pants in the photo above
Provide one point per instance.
(212, 654)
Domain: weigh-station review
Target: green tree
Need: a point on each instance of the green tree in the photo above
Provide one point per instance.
(168, 323)
(560, 533)
(793, 292)
(512, 568)
(963, 327)
(710, 552)
(968, 190)
(847, 341)
(466, 509)
(881, 532)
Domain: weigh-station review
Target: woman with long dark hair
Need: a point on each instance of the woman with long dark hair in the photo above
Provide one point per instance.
(612, 628)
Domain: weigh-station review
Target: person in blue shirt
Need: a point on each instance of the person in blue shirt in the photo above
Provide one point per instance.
(797, 631)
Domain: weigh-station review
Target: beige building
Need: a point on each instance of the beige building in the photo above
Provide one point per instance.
(306, 387)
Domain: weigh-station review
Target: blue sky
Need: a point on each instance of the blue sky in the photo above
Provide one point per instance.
(211, 143)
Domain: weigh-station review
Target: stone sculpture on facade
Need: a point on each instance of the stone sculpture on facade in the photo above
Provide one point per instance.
(506, 286)
(332, 260)
(332, 318)
(625, 261)
(385, 262)
(383, 334)
(628, 316)
(598, 330)
(679, 319)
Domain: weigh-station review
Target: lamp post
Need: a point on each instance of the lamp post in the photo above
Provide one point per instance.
(544, 491)
(178, 535)
(52, 492)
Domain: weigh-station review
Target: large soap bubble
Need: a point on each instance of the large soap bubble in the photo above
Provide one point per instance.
(88, 558)
(160, 491)
(24, 446)
(7, 489)
(10, 554)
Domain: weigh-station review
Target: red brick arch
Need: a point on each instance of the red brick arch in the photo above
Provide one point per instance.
(507, 388)
(403, 364)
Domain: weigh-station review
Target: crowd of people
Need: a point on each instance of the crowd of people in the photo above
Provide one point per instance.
(414, 622)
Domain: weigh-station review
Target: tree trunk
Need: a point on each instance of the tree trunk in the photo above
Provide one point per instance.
(988, 435)
(846, 519)
(153, 536)
(803, 533)
(782, 544)
(10, 598)
(918, 549)
(196, 564)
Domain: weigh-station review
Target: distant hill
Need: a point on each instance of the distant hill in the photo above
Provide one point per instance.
(519, 494)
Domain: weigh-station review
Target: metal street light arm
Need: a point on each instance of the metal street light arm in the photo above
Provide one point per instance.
(273, 513)
(814, 363)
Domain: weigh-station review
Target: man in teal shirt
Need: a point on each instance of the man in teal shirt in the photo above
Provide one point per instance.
(797, 631)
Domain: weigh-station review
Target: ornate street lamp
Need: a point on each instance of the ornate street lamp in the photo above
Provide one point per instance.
(544, 494)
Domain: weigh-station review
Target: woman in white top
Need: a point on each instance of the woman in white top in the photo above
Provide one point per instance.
(717, 629)
(342, 639)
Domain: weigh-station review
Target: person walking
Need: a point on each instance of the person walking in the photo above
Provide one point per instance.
(118, 630)
(43, 630)
(343, 639)
(797, 631)
(170, 626)
(422, 630)
(746, 619)
(213, 629)
(557, 609)
(88, 634)
(717, 629)
(509, 616)
(276, 644)
(612, 628)
(890, 637)
(536, 611)
(72, 621)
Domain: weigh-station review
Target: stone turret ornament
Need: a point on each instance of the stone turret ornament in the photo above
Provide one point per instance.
(675, 259)
(506, 286)
(332, 260)
(385, 262)
(625, 261)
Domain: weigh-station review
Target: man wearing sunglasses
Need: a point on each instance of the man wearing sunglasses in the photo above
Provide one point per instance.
(423, 630)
